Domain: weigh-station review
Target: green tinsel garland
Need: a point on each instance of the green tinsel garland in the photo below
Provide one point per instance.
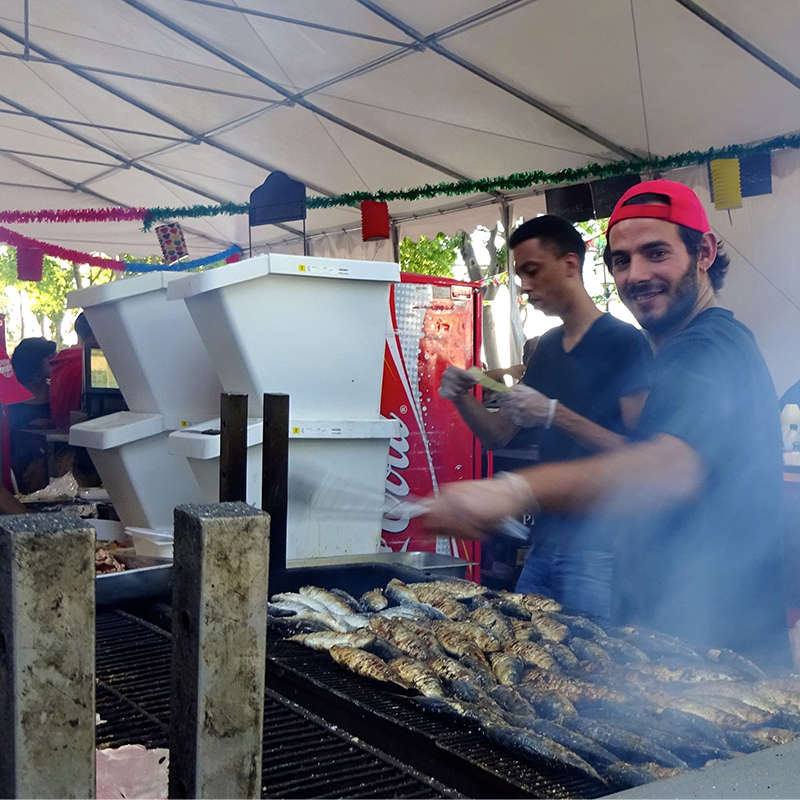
(517, 180)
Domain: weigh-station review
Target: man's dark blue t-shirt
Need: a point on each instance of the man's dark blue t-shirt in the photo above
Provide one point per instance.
(611, 361)
(711, 570)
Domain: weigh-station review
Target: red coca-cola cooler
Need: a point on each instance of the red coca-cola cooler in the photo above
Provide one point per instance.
(435, 322)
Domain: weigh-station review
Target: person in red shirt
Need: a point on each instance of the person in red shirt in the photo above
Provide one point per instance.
(66, 377)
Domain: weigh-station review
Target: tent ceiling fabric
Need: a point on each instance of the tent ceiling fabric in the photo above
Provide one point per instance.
(178, 102)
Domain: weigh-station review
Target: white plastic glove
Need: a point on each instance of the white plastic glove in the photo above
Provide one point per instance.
(455, 382)
(527, 407)
(472, 509)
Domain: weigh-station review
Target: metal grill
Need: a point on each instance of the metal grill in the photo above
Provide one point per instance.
(463, 756)
(302, 755)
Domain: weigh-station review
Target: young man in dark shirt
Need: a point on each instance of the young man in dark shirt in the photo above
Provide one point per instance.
(694, 502)
(581, 393)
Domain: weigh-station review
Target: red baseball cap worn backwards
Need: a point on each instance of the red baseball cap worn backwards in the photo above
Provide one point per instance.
(684, 206)
(11, 390)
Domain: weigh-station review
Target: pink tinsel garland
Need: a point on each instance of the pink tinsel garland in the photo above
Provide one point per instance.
(74, 215)
(7, 236)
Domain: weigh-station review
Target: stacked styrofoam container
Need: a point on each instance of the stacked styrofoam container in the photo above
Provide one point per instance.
(315, 329)
(168, 382)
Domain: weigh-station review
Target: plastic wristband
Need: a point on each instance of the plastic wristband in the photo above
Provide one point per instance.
(551, 413)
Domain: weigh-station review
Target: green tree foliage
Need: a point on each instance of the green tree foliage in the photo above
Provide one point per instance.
(47, 298)
(429, 256)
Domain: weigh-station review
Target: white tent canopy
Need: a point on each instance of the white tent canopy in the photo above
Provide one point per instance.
(179, 102)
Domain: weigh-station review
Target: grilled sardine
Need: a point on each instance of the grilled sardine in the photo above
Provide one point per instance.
(531, 654)
(421, 676)
(367, 665)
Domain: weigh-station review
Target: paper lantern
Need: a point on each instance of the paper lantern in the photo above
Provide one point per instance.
(29, 263)
(726, 183)
(173, 245)
(374, 220)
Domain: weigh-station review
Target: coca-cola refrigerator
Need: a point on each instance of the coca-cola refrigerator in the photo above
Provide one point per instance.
(435, 322)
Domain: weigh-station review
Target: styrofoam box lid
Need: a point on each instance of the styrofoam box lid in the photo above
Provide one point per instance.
(194, 443)
(120, 289)
(114, 430)
(281, 264)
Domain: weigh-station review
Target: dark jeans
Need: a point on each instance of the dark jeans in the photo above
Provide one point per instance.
(580, 581)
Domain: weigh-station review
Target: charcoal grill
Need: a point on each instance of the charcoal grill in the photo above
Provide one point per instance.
(457, 755)
(303, 755)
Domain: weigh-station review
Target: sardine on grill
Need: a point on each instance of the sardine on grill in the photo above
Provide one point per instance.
(563, 656)
(548, 627)
(373, 601)
(628, 775)
(531, 654)
(421, 676)
(295, 597)
(400, 636)
(547, 704)
(458, 589)
(482, 637)
(742, 665)
(525, 742)
(399, 592)
(494, 621)
(431, 594)
(327, 639)
(628, 746)
(332, 603)
(588, 651)
(582, 745)
(622, 652)
(511, 700)
(578, 626)
(507, 668)
(449, 669)
(367, 665)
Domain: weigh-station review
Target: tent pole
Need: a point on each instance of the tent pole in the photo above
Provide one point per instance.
(27, 31)
(505, 210)
(394, 228)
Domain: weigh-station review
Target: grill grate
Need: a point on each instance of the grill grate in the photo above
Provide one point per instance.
(462, 748)
(302, 755)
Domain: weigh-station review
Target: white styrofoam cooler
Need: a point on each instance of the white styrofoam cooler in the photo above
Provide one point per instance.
(144, 480)
(350, 454)
(313, 328)
(152, 347)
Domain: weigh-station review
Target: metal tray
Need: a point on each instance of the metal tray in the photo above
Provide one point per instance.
(443, 565)
(146, 578)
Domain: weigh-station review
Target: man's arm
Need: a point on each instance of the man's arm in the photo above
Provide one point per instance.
(634, 480)
(495, 429)
(594, 437)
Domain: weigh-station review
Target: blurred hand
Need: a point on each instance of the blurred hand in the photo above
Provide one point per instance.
(472, 509)
(526, 407)
(455, 383)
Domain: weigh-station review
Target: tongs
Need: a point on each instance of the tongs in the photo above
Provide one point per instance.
(335, 496)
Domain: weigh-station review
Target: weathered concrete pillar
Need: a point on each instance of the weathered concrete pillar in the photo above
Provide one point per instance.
(219, 627)
(47, 668)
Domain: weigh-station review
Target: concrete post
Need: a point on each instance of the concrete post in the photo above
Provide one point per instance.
(219, 627)
(47, 667)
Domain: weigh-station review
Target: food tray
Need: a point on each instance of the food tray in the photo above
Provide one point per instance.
(146, 578)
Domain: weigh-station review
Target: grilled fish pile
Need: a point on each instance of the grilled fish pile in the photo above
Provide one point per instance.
(623, 705)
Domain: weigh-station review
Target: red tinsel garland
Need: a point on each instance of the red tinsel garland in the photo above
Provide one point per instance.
(7, 236)
(74, 215)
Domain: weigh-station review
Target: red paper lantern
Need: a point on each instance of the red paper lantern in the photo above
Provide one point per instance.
(374, 220)
(29, 263)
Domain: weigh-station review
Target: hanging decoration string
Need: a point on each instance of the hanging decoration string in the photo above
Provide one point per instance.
(113, 214)
(181, 266)
(517, 180)
(7, 236)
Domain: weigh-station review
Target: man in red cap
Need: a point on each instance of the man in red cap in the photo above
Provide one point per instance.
(694, 500)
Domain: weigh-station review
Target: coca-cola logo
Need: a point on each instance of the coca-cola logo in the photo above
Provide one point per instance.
(396, 484)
